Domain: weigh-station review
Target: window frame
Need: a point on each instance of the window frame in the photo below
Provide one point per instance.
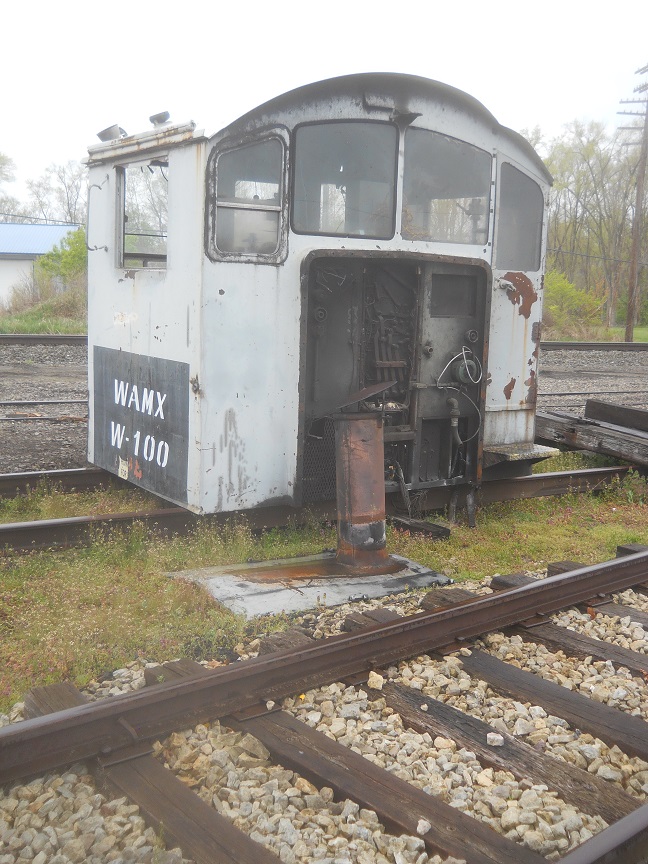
(505, 160)
(160, 260)
(212, 205)
(396, 178)
(488, 227)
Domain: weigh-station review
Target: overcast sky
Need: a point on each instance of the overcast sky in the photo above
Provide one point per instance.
(72, 67)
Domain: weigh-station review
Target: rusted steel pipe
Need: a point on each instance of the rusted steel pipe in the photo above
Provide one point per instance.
(360, 489)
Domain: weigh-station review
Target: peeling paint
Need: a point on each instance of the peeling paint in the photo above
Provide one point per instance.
(524, 295)
(122, 319)
(509, 388)
(237, 480)
(532, 393)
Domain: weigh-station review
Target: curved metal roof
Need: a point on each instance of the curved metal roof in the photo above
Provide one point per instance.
(399, 88)
(22, 239)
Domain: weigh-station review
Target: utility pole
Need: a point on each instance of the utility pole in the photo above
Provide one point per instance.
(637, 221)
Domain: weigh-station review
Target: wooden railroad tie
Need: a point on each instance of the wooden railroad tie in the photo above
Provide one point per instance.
(164, 801)
(206, 836)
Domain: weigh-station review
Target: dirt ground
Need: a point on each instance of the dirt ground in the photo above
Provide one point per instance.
(56, 437)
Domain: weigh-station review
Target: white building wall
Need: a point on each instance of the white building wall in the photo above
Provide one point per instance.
(13, 273)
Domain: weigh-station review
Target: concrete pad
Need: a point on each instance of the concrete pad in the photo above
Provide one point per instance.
(298, 584)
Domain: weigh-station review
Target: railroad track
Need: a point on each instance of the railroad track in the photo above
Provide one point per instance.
(594, 346)
(51, 339)
(118, 735)
(66, 479)
(82, 339)
(75, 531)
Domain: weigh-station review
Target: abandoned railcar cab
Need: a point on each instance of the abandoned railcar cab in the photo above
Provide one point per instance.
(368, 243)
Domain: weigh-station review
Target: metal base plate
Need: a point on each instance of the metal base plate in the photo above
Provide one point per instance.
(298, 584)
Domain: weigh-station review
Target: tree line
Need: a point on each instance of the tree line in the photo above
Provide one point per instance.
(58, 195)
(591, 212)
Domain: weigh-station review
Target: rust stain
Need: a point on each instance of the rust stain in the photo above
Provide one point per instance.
(524, 295)
(509, 388)
(303, 571)
(532, 393)
(536, 336)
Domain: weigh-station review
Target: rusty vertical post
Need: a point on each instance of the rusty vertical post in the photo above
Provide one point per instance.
(360, 485)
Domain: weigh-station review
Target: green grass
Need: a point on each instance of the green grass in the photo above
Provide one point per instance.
(617, 334)
(61, 314)
(571, 460)
(47, 501)
(77, 614)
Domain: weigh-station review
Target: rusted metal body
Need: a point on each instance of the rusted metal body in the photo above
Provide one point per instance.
(101, 727)
(360, 482)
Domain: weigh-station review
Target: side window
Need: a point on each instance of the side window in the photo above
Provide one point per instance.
(249, 197)
(144, 188)
(519, 222)
(446, 189)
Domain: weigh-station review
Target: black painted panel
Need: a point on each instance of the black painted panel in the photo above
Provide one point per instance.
(141, 420)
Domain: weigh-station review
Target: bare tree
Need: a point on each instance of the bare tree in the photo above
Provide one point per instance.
(11, 210)
(60, 194)
(590, 209)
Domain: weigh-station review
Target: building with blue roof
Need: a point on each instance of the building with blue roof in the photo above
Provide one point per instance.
(20, 246)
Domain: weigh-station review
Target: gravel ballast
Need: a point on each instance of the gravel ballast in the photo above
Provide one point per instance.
(302, 823)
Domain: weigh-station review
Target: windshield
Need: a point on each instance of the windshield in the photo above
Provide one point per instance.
(344, 179)
(446, 189)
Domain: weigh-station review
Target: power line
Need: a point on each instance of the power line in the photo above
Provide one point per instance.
(39, 219)
(595, 257)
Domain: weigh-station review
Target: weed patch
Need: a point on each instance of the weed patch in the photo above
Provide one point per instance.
(79, 614)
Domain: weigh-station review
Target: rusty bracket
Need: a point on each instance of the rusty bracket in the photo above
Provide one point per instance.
(130, 729)
(537, 621)
(259, 710)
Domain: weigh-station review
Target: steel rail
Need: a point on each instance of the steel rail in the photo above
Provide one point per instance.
(99, 728)
(75, 531)
(82, 339)
(549, 483)
(11, 402)
(66, 479)
(41, 418)
(594, 346)
(43, 339)
(625, 842)
(589, 393)
(78, 530)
